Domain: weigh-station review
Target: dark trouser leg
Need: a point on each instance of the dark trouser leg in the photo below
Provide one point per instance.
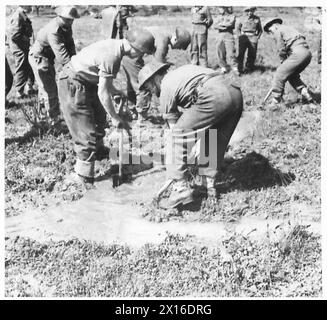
(76, 105)
(241, 51)
(194, 49)
(290, 70)
(9, 77)
(252, 54)
(221, 51)
(21, 69)
(203, 54)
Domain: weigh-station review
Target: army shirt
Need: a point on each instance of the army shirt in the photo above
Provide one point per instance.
(55, 42)
(162, 37)
(178, 86)
(100, 59)
(225, 22)
(249, 26)
(20, 29)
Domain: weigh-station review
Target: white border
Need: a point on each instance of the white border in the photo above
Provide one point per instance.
(289, 3)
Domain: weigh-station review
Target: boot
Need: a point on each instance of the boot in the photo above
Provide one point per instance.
(102, 153)
(76, 180)
(209, 184)
(306, 96)
(181, 194)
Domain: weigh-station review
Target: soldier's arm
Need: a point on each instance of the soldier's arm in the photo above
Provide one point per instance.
(238, 27)
(105, 88)
(230, 24)
(57, 44)
(281, 47)
(16, 28)
(259, 29)
(162, 46)
(209, 18)
(71, 45)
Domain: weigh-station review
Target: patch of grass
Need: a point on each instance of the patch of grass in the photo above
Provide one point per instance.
(171, 269)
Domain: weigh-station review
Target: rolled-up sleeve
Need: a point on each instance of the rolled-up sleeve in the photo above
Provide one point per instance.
(109, 66)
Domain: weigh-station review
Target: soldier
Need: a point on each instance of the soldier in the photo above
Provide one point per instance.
(249, 31)
(85, 88)
(194, 99)
(124, 12)
(53, 41)
(9, 80)
(165, 38)
(201, 21)
(20, 32)
(225, 25)
(294, 55)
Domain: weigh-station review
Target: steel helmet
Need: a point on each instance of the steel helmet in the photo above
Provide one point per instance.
(183, 38)
(269, 22)
(68, 12)
(141, 40)
(250, 9)
(150, 70)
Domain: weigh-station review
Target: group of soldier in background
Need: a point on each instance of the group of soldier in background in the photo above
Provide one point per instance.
(193, 98)
(235, 37)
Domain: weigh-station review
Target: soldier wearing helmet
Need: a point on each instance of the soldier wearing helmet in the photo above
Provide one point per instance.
(20, 32)
(194, 99)
(295, 56)
(201, 22)
(165, 38)
(53, 42)
(86, 87)
(225, 25)
(248, 29)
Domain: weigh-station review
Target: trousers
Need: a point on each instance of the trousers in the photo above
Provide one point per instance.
(249, 44)
(226, 50)
(9, 77)
(199, 55)
(206, 126)
(83, 112)
(23, 71)
(45, 75)
(290, 69)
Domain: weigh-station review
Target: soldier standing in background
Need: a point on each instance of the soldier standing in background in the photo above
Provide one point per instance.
(225, 25)
(249, 30)
(53, 41)
(295, 56)
(201, 21)
(124, 12)
(20, 32)
(165, 39)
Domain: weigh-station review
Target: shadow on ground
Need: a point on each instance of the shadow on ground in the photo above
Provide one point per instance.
(253, 172)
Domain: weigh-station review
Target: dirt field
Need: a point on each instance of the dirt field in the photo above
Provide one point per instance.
(261, 238)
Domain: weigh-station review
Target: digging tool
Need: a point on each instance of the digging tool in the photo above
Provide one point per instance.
(156, 199)
(267, 96)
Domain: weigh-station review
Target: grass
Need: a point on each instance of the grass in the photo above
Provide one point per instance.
(273, 174)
